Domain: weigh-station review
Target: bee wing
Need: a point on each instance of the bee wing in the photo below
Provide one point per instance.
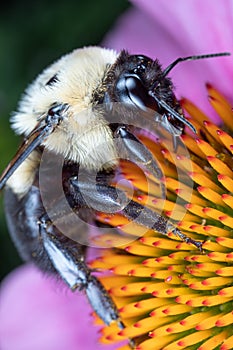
(42, 130)
(34, 139)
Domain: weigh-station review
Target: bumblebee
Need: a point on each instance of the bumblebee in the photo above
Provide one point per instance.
(67, 113)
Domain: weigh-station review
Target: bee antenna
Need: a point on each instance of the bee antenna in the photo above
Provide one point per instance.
(192, 58)
(170, 110)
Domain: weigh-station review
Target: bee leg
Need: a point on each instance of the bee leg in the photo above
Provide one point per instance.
(138, 153)
(108, 199)
(38, 240)
(68, 260)
(152, 220)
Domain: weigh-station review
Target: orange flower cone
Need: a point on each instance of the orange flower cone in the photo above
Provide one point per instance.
(169, 294)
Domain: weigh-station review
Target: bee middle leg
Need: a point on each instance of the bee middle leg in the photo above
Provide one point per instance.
(108, 199)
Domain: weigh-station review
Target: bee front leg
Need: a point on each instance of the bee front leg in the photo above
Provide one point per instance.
(139, 154)
(68, 260)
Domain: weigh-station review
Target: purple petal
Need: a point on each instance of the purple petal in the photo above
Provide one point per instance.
(38, 313)
(168, 30)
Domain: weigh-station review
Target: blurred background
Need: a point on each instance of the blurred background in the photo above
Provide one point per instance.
(32, 35)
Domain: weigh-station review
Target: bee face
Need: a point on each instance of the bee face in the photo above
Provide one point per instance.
(146, 74)
(139, 81)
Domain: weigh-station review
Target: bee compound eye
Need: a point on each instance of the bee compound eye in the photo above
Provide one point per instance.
(138, 94)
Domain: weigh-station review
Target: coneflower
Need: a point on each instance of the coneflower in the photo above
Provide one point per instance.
(169, 294)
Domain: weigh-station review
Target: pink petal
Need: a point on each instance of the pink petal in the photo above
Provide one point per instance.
(168, 30)
(38, 313)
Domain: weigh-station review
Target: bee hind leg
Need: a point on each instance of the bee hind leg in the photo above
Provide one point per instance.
(68, 260)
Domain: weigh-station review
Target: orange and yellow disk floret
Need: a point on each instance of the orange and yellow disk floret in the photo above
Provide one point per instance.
(170, 295)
